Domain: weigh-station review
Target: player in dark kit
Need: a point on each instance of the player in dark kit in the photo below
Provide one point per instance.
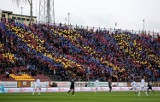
(149, 86)
(110, 85)
(71, 87)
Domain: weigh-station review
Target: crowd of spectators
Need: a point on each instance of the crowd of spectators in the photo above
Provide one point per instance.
(85, 54)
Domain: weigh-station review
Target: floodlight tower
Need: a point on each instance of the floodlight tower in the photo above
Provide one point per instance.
(46, 11)
(143, 25)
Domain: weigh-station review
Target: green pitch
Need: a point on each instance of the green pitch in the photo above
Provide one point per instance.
(81, 97)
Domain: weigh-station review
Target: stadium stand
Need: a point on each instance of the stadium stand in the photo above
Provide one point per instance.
(58, 52)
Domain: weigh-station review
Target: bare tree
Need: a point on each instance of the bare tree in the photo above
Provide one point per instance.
(31, 7)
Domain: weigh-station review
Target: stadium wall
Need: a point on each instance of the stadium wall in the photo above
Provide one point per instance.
(20, 84)
(12, 86)
(63, 89)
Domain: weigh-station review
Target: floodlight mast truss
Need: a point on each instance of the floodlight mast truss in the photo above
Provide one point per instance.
(46, 11)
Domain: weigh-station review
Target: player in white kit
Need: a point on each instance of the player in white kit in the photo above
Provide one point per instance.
(134, 86)
(142, 87)
(96, 85)
(37, 86)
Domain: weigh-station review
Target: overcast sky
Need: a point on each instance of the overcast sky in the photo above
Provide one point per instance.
(128, 14)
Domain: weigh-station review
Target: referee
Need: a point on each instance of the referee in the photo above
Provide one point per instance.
(110, 85)
(150, 86)
(71, 87)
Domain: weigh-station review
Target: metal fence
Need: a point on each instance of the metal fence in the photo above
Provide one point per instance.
(111, 30)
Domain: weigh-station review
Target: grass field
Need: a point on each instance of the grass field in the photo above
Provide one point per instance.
(81, 97)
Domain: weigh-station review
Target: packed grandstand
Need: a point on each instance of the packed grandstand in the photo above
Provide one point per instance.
(58, 52)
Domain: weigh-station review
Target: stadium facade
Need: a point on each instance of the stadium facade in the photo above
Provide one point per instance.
(17, 17)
